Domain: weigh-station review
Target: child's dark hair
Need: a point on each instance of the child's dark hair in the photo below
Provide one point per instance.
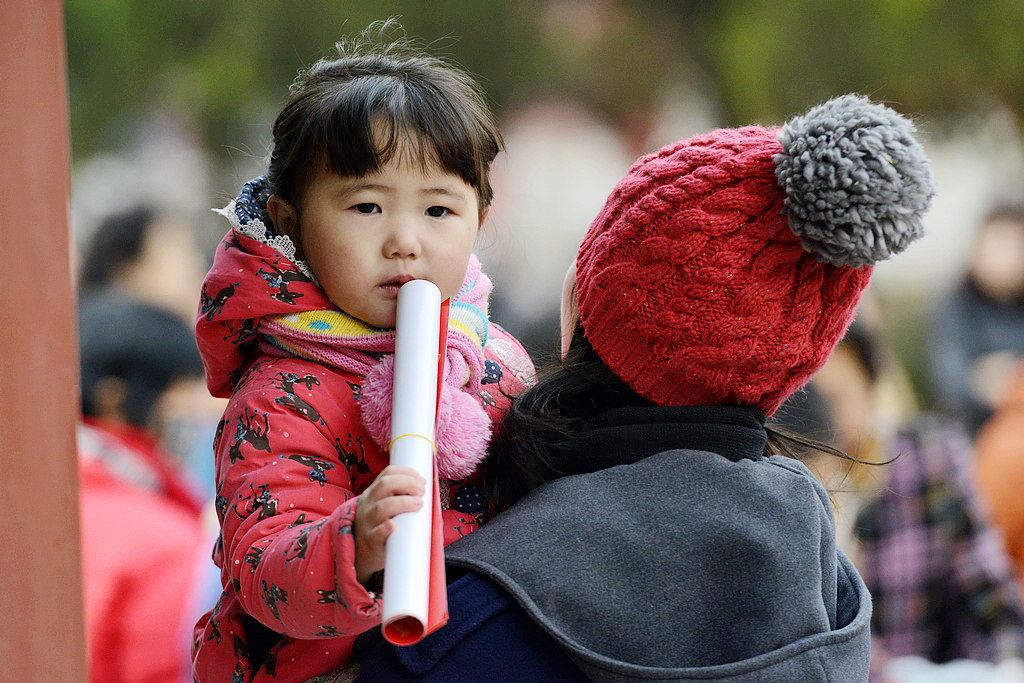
(545, 419)
(352, 114)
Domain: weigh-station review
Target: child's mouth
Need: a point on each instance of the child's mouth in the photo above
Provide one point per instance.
(391, 287)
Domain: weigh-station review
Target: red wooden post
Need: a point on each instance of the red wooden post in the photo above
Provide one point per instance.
(42, 627)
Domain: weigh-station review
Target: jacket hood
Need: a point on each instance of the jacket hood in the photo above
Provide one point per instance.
(254, 274)
(683, 566)
(248, 281)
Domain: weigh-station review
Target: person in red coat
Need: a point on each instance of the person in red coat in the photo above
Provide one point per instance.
(378, 176)
(142, 536)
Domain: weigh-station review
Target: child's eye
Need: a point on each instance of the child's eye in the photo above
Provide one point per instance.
(438, 212)
(367, 207)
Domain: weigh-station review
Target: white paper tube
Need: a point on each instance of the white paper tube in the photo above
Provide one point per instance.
(413, 413)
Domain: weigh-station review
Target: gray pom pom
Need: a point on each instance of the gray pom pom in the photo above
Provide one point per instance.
(857, 182)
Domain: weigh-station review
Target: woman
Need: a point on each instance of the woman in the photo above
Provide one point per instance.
(651, 531)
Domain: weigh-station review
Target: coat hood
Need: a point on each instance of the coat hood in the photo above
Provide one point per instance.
(682, 566)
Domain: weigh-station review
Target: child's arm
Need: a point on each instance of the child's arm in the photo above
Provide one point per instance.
(290, 462)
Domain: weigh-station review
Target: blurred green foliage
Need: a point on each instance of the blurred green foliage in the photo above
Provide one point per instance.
(225, 63)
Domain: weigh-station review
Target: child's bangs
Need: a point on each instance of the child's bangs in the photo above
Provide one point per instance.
(376, 122)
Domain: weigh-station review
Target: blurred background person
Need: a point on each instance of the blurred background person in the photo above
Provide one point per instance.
(142, 535)
(942, 584)
(1000, 456)
(978, 331)
(152, 256)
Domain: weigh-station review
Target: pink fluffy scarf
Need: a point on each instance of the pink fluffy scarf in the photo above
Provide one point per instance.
(335, 338)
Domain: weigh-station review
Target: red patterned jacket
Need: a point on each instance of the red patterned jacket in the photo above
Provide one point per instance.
(292, 459)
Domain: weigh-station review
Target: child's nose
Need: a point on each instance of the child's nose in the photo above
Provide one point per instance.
(403, 240)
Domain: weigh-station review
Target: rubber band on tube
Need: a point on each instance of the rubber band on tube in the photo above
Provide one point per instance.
(419, 436)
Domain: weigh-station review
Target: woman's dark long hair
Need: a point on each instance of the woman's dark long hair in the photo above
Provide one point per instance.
(546, 419)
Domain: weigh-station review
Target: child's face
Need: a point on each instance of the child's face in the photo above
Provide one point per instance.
(365, 236)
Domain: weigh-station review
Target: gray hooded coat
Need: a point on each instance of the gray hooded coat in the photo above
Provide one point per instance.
(694, 558)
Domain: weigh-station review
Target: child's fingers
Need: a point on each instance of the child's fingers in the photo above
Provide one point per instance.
(395, 491)
(392, 506)
(379, 521)
(401, 471)
(376, 536)
(396, 481)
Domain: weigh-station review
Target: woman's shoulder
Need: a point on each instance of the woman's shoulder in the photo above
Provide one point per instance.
(800, 476)
(791, 467)
(772, 485)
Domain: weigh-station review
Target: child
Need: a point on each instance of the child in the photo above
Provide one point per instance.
(653, 532)
(378, 175)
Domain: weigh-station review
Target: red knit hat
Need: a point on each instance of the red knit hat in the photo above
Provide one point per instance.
(724, 268)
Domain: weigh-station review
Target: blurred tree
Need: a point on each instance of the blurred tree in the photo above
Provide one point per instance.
(210, 61)
(225, 65)
(944, 57)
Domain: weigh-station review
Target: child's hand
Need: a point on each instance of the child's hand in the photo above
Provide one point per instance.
(394, 491)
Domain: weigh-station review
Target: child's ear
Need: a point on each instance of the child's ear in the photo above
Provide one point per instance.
(284, 217)
(483, 216)
(286, 221)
